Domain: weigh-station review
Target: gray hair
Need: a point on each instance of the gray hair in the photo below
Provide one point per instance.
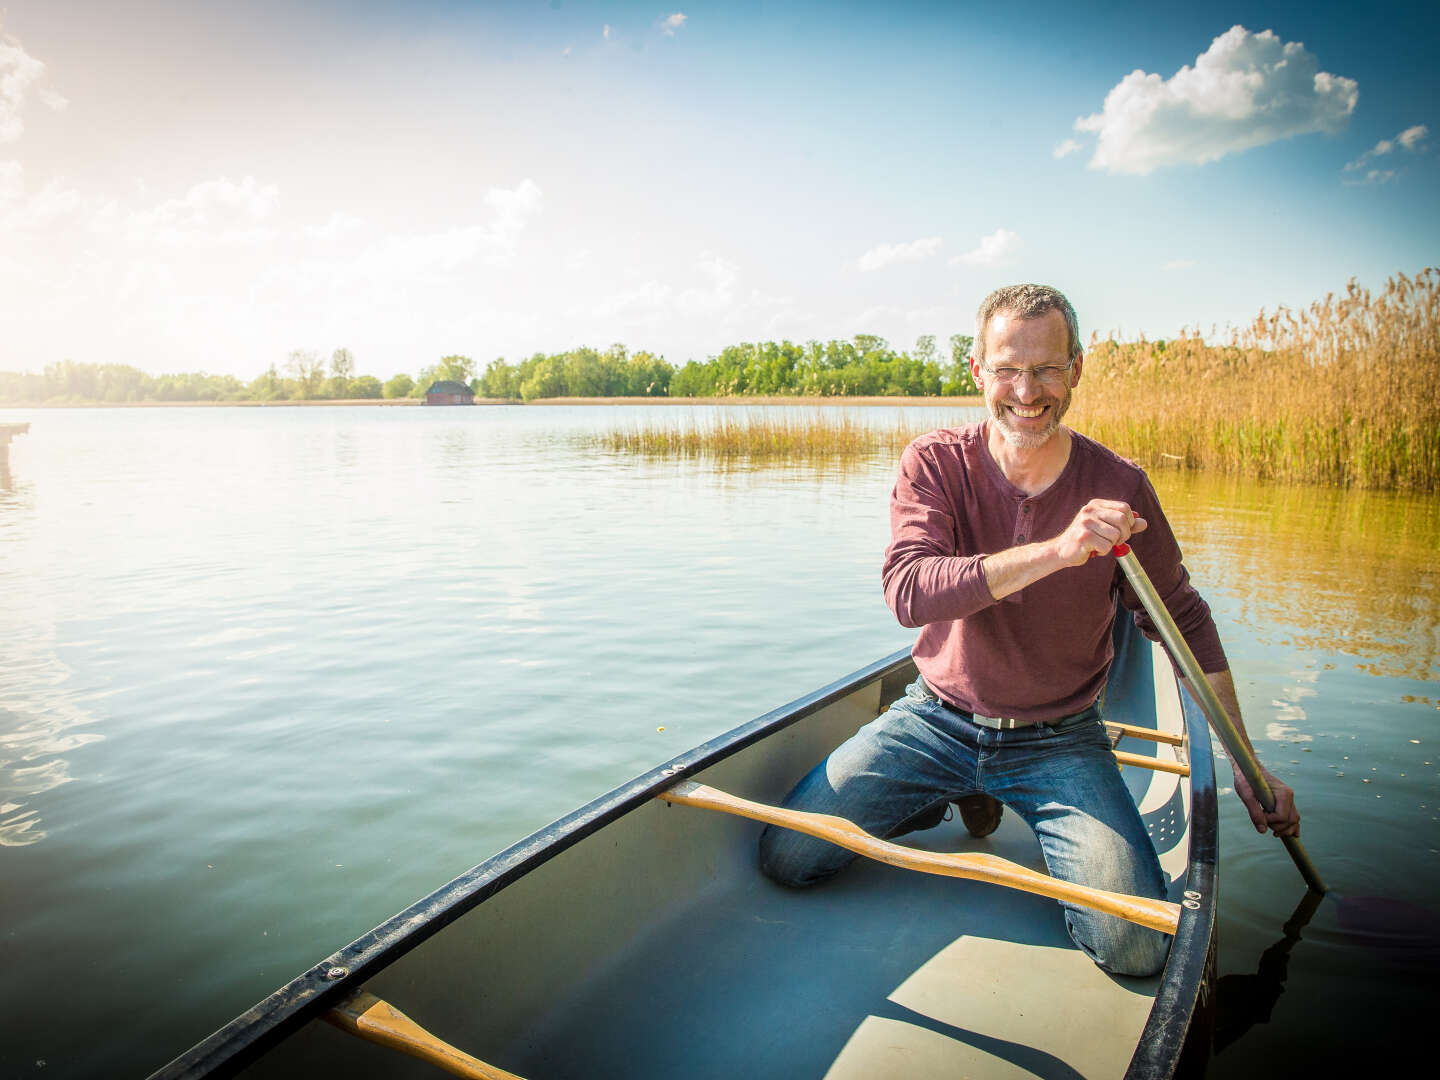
(1028, 302)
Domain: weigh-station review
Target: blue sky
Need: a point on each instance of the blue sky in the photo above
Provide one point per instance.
(190, 186)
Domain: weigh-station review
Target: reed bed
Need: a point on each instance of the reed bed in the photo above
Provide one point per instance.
(1346, 392)
(820, 437)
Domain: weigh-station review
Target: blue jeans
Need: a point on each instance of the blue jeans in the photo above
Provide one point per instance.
(1060, 779)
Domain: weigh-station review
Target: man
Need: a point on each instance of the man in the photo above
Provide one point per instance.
(995, 532)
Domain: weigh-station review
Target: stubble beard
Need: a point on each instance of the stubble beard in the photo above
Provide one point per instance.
(1032, 440)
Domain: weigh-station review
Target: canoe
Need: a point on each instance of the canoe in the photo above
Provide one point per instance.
(635, 937)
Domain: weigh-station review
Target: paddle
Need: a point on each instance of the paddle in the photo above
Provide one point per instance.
(977, 866)
(1210, 703)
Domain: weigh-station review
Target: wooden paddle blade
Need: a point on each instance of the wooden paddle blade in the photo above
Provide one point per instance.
(977, 866)
(377, 1021)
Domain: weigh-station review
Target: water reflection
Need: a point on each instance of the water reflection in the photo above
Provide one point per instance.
(38, 721)
(1242, 1001)
(1336, 571)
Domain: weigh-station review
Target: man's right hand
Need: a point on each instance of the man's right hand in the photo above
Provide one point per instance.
(1098, 527)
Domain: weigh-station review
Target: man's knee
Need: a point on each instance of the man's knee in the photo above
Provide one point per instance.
(796, 861)
(1123, 948)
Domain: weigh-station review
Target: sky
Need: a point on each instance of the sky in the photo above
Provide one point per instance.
(198, 186)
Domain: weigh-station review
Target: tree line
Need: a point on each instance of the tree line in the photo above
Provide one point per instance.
(864, 365)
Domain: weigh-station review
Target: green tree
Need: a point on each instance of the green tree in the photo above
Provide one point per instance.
(399, 386)
(308, 371)
(501, 380)
(459, 369)
(342, 370)
(546, 379)
(957, 379)
(365, 386)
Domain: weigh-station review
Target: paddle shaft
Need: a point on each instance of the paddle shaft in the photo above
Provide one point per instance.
(977, 866)
(1215, 712)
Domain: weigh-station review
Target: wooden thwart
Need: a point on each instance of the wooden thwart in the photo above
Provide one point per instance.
(377, 1021)
(1146, 733)
(1179, 768)
(976, 866)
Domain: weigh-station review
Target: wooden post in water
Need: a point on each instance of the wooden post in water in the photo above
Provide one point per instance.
(8, 432)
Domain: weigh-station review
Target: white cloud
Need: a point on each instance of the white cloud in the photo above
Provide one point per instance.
(19, 71)
(670, 25)
(993, 249)
(607, 33)
(1411, 137)
(1065, 149)
(215, 213)
(1411, 140)
(1246, 90)
(1374, 176)
(887, 254)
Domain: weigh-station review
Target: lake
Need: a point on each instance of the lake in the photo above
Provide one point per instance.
(269, 675)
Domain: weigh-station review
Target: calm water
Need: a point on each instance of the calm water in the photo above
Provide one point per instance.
(269, 675)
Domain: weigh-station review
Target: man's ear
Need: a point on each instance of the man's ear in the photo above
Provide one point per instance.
(975, 372)
(1079, 366)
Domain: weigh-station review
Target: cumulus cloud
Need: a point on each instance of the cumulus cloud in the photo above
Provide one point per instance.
(1245, 91)
(670, 25)
(1065, 148)
(19, 72)
(1411, 140)
(887, 254)
(995, 248)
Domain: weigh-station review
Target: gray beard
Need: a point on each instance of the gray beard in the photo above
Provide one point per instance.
(1026, 440)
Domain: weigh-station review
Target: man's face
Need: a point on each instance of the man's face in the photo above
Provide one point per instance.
(1027, 410)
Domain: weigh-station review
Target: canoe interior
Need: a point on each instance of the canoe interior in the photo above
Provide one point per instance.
(651, 943)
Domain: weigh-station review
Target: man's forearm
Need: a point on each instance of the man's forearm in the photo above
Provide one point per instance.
(1011, 570)
(1223, 683)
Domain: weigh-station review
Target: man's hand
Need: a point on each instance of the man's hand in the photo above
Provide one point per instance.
(1098, 527)
(1284, 820)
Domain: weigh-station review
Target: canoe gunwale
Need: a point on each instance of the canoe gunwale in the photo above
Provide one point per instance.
(269, 1022)
(1171, 1036)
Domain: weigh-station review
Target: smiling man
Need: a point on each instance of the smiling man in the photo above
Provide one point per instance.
(994, 532)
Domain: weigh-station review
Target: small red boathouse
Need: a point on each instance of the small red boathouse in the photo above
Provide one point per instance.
(448, 392)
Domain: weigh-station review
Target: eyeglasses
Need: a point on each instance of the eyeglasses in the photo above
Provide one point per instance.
(1046, 373)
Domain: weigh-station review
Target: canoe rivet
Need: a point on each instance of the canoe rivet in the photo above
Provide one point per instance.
(1191, 894)
(337, 973)
(1193, 905)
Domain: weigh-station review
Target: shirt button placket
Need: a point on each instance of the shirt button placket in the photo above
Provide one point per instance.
(1022, 525)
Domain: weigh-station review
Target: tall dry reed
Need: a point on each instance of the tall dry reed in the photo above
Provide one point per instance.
(1346, 392)
(762, 439)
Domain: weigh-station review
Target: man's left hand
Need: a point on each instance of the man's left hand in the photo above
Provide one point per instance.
(1284, 820)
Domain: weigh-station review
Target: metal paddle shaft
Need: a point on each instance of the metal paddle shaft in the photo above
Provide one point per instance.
(1214, 711)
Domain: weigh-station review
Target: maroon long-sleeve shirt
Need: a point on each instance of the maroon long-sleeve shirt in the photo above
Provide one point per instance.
(1044, 651)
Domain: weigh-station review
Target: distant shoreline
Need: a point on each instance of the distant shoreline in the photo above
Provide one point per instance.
(933, 402)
